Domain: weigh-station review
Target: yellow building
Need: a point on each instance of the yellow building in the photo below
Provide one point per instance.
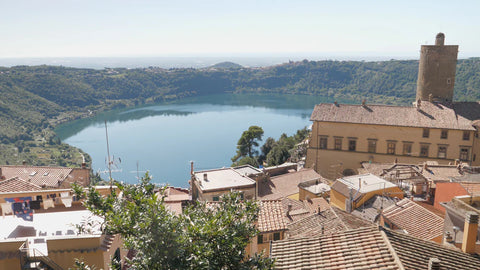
(51, 229)
(434, 128)
(53, 241)
(350, 192)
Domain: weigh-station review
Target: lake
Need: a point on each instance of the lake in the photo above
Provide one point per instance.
(164, 138)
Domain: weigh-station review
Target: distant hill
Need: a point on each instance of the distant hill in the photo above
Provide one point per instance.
(226, 65)
(33, 98)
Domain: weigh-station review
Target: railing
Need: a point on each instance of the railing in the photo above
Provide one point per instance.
(34, 255)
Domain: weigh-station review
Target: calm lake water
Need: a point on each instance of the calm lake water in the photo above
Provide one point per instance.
(164, 138)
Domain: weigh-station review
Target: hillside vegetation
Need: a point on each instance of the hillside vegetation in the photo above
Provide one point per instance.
(35, 99)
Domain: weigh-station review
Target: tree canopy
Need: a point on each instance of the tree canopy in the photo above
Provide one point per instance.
(247, 143)
(205, 236)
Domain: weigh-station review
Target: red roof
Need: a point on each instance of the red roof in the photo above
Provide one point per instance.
(445, 192)
(415, 219)
(16, 184)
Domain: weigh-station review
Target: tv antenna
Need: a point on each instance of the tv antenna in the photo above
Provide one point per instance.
(110, 160)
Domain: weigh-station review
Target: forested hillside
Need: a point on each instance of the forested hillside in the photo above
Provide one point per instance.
(34, 99)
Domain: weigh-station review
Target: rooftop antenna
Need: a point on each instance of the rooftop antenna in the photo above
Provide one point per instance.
(108, 154)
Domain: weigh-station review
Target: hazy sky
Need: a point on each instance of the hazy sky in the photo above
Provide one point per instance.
(63, 28)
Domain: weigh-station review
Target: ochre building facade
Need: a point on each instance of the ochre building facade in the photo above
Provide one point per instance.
(433, 129)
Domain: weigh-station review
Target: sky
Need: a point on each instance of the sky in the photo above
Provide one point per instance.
(140, 28)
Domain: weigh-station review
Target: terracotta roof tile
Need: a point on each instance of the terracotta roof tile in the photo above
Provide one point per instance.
(415, 219)
(414, 253)
(16, 184)
(271, 217)
(431, 115)
(363, 248)
(48, 176)
(286, 184)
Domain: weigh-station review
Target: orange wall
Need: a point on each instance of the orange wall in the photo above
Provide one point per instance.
(445, 192)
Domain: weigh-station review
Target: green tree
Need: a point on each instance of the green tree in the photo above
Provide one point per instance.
(203, 237)
(265, 149)
(247, 143)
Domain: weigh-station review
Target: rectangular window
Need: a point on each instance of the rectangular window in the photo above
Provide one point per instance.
(216, 198)
(323, 143)
(464, 154)
(466, 135)
(372, 146)
(426, 133)
(424, 150)
(407, 149)
(442, 152)
(260, 239)
(391, 148)
(352, 145)
(338, 143)
(444, 134)
(276, 236)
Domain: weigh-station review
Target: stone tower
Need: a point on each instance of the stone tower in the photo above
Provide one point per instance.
(436, 71)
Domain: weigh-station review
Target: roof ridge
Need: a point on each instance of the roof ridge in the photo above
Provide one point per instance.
(391, 249)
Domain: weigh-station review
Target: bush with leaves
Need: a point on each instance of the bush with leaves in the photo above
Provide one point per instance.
(205, 236)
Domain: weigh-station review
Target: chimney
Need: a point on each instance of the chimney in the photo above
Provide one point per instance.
(470, 233)
(335, 102)
(191, 167)
(24, 163)
(430, 97)
(84, 165)
(364, 102)
(419, 103)
(205, 178)
(434, 264)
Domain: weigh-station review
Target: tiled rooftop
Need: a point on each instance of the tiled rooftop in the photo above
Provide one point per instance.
(271, 217)
(328, 221)
(363, 248)
(286, 184)
(414, 253)
(48, 176)
(415, 219)
(368, 248)
(16, 184)
(430, 115)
